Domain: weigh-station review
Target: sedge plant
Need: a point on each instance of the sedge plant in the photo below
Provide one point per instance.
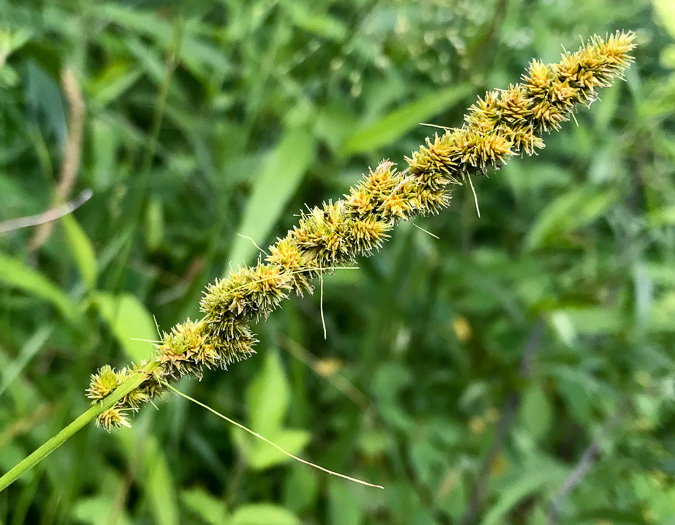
(504, 123)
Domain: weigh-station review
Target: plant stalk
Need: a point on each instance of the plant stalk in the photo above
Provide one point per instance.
(57, 440)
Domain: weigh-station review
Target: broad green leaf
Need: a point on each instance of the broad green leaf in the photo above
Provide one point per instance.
(209, 508)
(130, 323)
(276, 182)
(264, 514)
(14, 273)
(267, 399)
(395, 124)
(268, 396)
(95, 509)
(261, 455)
(571, 210)
(82, 250)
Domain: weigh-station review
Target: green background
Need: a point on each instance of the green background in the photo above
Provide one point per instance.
(212, 119)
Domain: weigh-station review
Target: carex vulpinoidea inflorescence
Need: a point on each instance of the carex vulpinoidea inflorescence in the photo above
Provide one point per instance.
(502, 124)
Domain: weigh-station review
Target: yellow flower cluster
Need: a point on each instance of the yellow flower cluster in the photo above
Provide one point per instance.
(502, 124)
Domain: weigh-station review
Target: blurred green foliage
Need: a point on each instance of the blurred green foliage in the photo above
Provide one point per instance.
(209, 119)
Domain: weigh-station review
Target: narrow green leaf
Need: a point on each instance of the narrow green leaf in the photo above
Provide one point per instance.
(162, 488)
(395, 124)
(14, 273)
(158, 483)
(275, 183)
(130, 323)
(12, 369)
(82, 250)
(154, 224)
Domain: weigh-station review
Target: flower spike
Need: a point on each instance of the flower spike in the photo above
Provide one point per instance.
(499, 125)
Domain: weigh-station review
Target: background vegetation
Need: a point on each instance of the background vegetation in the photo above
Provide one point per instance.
(517, 370)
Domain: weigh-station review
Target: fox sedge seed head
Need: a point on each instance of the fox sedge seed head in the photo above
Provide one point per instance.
(497, 126)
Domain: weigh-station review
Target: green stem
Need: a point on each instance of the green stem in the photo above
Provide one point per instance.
(56, 441)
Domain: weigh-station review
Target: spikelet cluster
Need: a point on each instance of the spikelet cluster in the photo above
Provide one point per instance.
(501, 124)
(105, 381)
